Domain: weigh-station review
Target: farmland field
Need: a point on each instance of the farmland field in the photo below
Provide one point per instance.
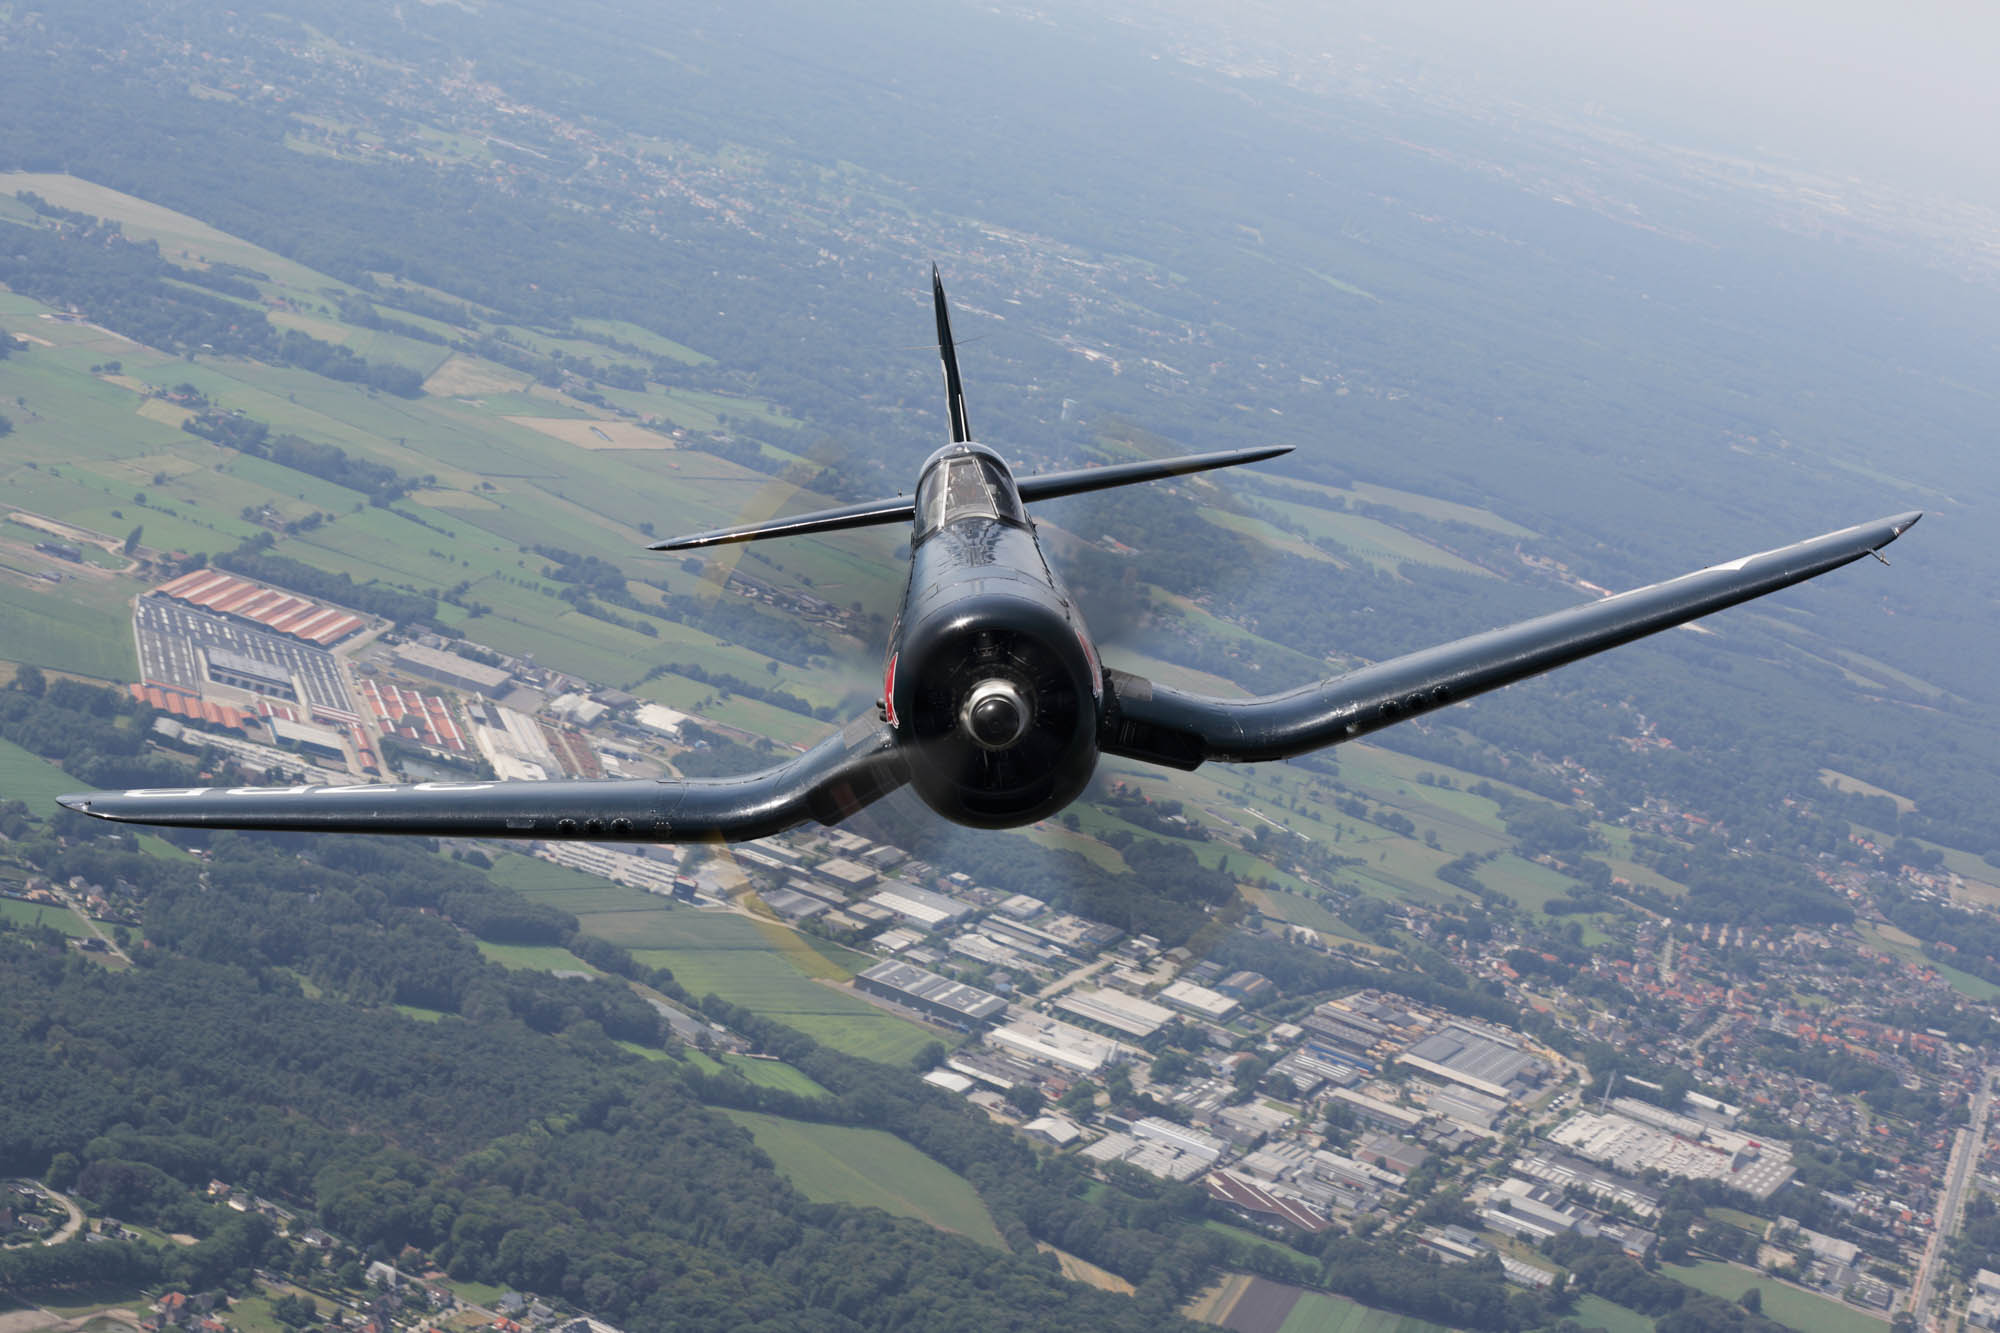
(1786, 1304)
(19, 914)
(534, 957)
(870, 1169)
(26, 777)
(1596, 1312)
(1322, 1312)
(728, 955)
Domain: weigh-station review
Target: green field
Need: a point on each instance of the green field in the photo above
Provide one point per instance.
(870, 1168)
(1788, 1305)
(69, 627)
(534, 957)
(26, 777)
(1596, 1312)
(727, 955)
(1248, 1237)
(18, 913)
(1323, 1312)
(774, 1074)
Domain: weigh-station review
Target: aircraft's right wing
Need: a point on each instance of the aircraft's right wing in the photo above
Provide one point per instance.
(1167, 726)
(832, 780)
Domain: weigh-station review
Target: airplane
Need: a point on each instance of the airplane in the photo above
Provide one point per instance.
(995, 705)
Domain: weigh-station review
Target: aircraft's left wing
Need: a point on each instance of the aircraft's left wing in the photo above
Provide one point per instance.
(1167, 726)
(832, 780)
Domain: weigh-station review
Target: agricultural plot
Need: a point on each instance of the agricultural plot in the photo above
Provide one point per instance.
(728, 955)
(535, 957)
(30, 778)
(1596, 1312)
(26, 915)
(69, 627)
(1322, 1312)
(870, 1168)
(1788, 1305)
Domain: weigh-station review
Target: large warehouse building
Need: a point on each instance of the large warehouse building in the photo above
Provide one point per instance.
(940, 998)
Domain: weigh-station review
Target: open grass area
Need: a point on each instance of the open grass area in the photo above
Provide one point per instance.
(1596, 1312)
(30, 778)
(1891, 940)
(1323, 1312)
(728, 955)
(547, 884)
(1245, 1236)
(775, 1074)
(27, 915)
(534, 957)
(1527, 883)
(1788, 1305)
(870, 1168)
(74, 626)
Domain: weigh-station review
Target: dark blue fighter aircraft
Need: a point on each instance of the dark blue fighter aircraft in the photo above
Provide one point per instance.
(994, 705)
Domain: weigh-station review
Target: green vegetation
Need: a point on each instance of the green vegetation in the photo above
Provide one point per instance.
(1785, 1304)
(870, 1169)
(23, 777)
(729, 956)
(1596, 1312)
(19, 913)
(1320, 1312)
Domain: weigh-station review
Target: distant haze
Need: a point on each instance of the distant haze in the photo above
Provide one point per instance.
(1902, 92)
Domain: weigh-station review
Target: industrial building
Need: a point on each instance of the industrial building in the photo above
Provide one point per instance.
(319, 742)
(921, 908)
(1055, 1043)
(1119, 1012)
(1200, 1000)
(940, 998)
(250, 602)
(243, 672)
(1496, 1067)
(450, 669)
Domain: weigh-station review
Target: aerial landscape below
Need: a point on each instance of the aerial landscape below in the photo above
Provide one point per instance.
(968, 912)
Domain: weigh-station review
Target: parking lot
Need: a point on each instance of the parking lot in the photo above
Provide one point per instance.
(168, 635)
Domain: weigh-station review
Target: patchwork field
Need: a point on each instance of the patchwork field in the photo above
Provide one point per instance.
(870, 1169)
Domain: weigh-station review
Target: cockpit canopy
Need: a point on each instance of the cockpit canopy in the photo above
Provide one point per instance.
(966, 482)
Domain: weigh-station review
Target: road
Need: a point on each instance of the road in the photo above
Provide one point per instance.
(95, 929)
(1064, 982)
(1951, 1201)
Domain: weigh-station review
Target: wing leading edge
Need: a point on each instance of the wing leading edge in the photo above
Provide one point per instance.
(827, 783)
(1155, 722)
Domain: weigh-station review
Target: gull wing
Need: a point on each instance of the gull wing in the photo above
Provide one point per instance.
(827, 783)
(1155, 722)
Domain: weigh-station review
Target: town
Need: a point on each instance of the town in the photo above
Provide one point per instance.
(1485, 1136)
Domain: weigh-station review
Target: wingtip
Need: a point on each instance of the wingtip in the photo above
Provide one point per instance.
(78, 801)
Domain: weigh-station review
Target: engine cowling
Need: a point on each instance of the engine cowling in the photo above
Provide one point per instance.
(994, 698)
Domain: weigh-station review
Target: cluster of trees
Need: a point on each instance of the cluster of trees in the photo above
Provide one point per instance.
(97, 735)
(1880, 1087)
(127, 286)
(1601, 1268)
(382, 484)
(1968, 940)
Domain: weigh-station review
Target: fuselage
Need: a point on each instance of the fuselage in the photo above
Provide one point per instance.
(992, 683)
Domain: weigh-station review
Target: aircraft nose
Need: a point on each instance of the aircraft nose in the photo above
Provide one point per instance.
(995, 714)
